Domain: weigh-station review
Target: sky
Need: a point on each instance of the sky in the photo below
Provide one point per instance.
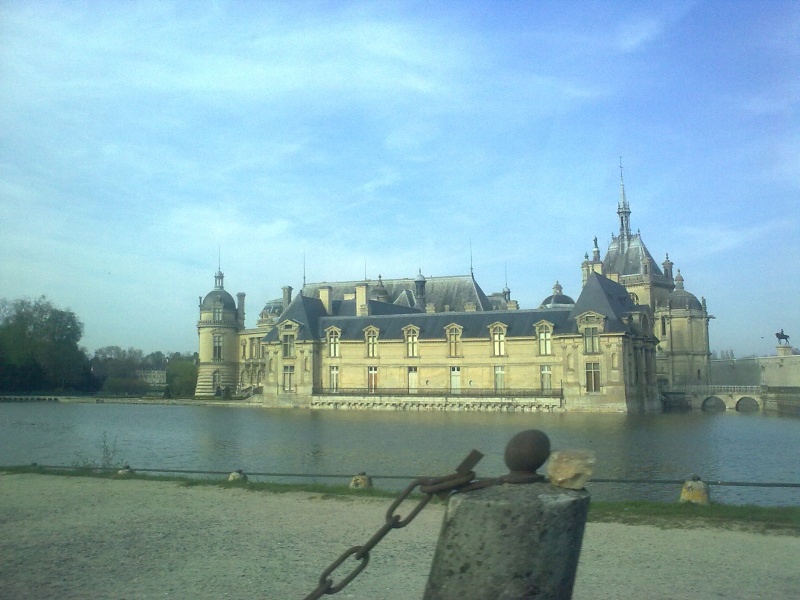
(142, 144)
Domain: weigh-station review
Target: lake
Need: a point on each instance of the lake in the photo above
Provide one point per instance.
(751, 447)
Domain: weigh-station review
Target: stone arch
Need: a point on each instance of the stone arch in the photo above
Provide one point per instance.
(747, 404)
(713, 404)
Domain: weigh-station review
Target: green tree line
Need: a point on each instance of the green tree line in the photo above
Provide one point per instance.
(40, 352)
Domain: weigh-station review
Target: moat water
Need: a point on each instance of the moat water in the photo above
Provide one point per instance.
(751, 447)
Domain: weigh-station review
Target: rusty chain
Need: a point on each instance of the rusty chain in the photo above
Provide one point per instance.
(429, 486)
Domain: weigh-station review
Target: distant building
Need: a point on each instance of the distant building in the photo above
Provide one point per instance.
(154, 378)
(442, 343)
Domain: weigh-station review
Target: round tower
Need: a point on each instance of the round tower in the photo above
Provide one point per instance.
(682, 328)
(218, 332)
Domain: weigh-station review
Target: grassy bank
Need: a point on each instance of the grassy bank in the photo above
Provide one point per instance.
(757, 519)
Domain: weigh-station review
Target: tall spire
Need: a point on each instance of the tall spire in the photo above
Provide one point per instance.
(623, 210)
(218, 276)
(472, 274)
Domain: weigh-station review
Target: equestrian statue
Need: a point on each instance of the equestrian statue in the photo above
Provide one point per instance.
(782, 336)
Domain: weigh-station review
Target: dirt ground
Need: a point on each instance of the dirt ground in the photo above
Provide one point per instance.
(63, 537)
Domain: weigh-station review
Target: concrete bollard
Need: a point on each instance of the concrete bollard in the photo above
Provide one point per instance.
(510, 541)
(695, 491)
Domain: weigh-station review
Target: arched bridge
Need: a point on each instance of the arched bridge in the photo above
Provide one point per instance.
(743, 398)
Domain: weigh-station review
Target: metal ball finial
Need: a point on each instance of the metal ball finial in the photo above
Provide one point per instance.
(527, 451)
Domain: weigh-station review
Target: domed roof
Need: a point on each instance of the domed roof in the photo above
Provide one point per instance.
(218, 295)
(557, 299)
(680, 298)
(273, 307)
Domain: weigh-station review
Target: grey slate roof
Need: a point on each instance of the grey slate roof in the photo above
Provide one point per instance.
(607, 297)
(432, 325)
(600, 294)
(625, 255)
(450, 291)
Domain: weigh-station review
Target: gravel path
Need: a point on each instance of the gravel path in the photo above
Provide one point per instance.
(63, 537)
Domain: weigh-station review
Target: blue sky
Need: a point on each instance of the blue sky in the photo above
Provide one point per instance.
(138, 140)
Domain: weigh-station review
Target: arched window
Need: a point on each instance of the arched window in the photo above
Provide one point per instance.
(412, 341)
(453, 333)
(498, 333)
(544, 333)
(371, 340)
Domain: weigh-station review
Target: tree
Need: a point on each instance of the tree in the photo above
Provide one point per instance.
(39, 347)
(181, 374)
(117, 370)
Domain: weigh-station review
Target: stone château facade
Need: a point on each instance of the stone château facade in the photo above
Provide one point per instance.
(442, 343)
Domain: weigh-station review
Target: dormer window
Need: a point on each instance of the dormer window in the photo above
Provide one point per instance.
(590, 326)
(217, 313)
(287, 345)
(371, 340)
(591, 340)
(411, 334)
(453, 333)
(498, 335)
(544, 333)
(333, 343)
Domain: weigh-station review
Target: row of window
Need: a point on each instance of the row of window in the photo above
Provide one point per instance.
(591, 339)
(545, 378)
(498, 337)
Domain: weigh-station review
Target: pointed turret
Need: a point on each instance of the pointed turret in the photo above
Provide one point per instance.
(623, 209)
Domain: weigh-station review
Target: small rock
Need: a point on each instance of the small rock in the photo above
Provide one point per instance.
(570, 468)
(126, 470)
(695, 491)
(237, 475)
(362, 481)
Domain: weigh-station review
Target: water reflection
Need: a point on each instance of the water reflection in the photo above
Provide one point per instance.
(749, 447)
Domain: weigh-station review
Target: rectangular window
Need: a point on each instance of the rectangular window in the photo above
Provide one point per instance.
(254, 348)
(217, 347)
(333, 344)
(217, 313)
(333, 381)
(412, 344)
(499, 378)
(372, 344)
(663, 326)
(591, 340)
(545, 347)
(499, 341)
(413, 380)
(244, 350)
(288, 378)
(372, 379)
(592, 377)
(454, 342)
(546, 377)
(455, 380)
(288, 345)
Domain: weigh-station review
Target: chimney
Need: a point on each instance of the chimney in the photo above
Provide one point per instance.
(362, 308)
(287, 296)
(325, 297)
(513, 305)
(430, 308)
(469, 307)
(240, 308)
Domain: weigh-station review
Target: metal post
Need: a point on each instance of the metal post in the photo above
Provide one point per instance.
(519, 539)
